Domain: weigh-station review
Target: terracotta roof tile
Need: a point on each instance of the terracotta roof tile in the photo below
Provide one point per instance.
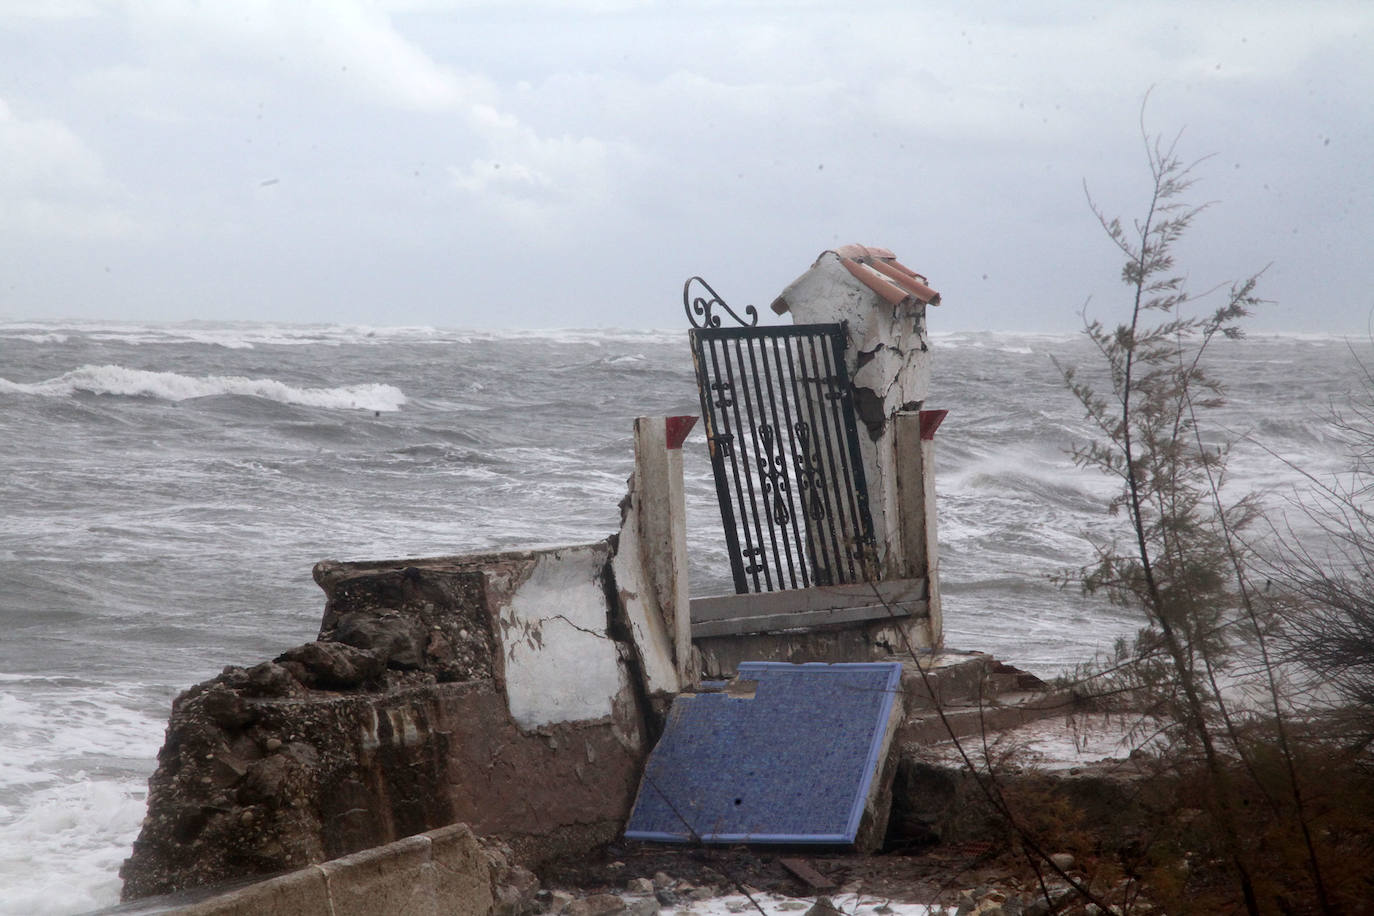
(880, 271)
(885, 275)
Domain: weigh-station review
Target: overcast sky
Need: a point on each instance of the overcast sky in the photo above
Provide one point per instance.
(548, 164)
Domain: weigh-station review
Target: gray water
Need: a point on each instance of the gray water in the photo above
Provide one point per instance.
(165, 490)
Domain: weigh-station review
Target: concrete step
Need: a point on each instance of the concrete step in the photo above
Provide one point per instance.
(951, 677)
(957, 694)
(962, 720)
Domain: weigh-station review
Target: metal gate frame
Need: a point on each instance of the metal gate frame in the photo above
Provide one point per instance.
(784, 446)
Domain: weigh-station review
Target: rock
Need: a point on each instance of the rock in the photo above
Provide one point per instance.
(187, 822)
(701, 893)
(639, 886)
(515, 893)
(823, 907)
(993, 903)
(270, 680)
(559, 900)
(439, 649)
(1062, 860)
(666, 897)
(226, 708)
(226, 769)
(662, 880)
(1059, 895)
(596, 905)
(266, 780)
(641, 906)
(333, 665)
(400, 642)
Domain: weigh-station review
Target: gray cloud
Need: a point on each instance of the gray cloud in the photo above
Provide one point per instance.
(555, 164)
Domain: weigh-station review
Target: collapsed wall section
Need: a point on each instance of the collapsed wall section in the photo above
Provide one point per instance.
(479, 689)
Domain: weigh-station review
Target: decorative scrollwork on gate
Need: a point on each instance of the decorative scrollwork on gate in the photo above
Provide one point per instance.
(773, 473)
(699, 308)
(810, 478)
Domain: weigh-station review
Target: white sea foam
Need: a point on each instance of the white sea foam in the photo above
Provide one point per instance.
(776, 905)
(87, 826)
(73, 766)
(172, 386)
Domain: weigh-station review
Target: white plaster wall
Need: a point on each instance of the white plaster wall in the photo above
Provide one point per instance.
(893, 336)
(560, 664)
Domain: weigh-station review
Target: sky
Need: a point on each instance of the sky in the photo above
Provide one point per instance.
(540, 164)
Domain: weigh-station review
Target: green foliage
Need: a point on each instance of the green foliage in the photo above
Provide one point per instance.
(1184, 563)
(1183, 557)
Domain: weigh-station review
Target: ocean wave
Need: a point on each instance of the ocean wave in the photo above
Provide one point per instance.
(34, 338)
(172, 386)
(246, 335)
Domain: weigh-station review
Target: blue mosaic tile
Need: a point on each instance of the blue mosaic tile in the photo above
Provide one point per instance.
(792, 764)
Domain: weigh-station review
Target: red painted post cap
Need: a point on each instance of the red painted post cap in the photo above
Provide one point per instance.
(677, 430)
(930, 421)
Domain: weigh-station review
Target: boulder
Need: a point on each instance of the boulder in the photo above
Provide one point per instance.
(333, 665)
(399, 641)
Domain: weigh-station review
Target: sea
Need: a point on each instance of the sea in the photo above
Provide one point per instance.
(165, 490)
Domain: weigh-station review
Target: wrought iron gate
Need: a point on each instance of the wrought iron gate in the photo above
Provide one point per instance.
(784, 450)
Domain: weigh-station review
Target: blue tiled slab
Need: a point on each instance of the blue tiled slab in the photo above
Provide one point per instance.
(791, 764)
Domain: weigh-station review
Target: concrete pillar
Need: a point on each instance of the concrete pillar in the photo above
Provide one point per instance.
(651, 560)
(919, 541)
(882, 304)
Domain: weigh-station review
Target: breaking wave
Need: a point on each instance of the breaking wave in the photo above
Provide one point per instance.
(172, 386)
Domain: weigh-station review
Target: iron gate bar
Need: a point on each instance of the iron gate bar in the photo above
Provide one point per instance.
(833, 507)
(854, 489)
(785, 455)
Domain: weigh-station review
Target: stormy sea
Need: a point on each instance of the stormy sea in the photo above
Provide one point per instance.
(166, 489)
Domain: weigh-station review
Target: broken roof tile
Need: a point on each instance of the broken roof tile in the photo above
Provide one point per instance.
(880, 271)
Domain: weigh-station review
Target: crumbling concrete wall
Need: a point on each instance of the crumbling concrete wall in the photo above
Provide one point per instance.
(487, 690)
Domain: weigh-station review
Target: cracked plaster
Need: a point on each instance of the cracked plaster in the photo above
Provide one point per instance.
(563, 667)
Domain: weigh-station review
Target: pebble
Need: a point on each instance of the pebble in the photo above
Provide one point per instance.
(824, 906)
(641, 906)
(596, 905)
(640, 886)
(1063, 860)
